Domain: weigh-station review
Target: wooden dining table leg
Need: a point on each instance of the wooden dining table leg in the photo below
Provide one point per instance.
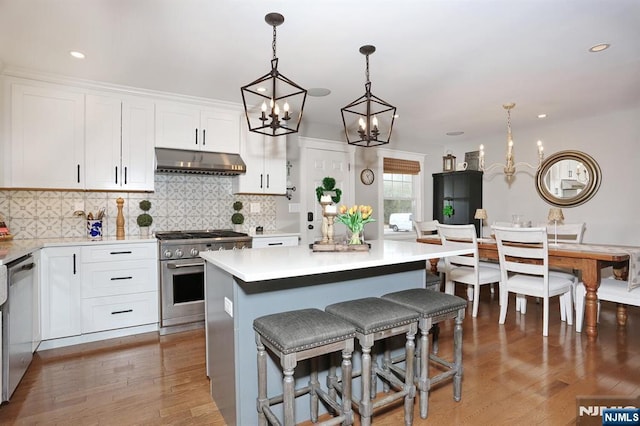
(591, 280)
(621, 272)
(434, 265)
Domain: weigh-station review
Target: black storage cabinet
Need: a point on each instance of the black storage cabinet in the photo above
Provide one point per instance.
(462, 191)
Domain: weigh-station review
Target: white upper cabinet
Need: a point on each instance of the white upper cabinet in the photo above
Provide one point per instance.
(266, 160)
(188, 126)
(46, 143)
(119, 143)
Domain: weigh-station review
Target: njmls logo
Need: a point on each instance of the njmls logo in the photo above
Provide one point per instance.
(607, 410)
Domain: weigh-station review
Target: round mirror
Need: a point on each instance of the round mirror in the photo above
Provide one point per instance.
(568, 178)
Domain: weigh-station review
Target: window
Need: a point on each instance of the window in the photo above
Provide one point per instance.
(400, 195)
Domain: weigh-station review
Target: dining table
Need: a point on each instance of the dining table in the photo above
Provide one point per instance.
(588, 259)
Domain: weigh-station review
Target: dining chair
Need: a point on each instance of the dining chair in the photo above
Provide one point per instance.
(524, 266)
(425, 228)
(570, 233)
(610, 290)
(465, 269)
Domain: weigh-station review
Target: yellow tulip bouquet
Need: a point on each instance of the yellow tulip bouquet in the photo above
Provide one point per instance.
(355, 217)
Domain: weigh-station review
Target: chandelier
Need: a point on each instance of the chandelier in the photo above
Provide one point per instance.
(510, 167)
(273, 104)
(368, 121)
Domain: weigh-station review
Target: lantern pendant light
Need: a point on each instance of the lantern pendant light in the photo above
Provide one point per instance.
(273, 104)
(368, 121)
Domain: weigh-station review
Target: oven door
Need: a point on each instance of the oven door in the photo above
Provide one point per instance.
(182, 289)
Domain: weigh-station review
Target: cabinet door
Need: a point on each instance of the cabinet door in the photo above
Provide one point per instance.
(61, 291)
(266, 160)
(275, 165)
(177, 126)
(47, 137)
(103, 139)
(138, 156)
(220, 131)
(252, 152)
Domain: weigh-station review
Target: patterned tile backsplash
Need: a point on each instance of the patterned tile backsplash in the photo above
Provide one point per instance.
(180, 202)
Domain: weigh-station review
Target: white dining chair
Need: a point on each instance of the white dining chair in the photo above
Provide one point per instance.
(465, 269)
(524, 265)
(425, 228)
(569, 233)
(610, 290)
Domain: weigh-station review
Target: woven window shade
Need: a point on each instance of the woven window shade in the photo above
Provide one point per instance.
(399, 166)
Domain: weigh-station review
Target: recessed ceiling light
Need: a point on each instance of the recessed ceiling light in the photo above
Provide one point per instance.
(261, 89)
(318, 92)
(456, 133)
(599, 47)
(76, 54)
(542, 115)
(396, 115)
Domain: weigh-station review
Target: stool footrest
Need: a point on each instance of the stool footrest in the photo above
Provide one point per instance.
(277, 399)
(441, 361)
(390, 378)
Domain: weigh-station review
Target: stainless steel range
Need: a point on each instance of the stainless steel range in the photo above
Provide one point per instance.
(182, 274)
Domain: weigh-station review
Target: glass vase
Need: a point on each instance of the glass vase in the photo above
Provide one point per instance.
(354, 237)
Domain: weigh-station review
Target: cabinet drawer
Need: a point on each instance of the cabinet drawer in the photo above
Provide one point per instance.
(108, 279)
(111, 253)
(108, 313)
(261, 242)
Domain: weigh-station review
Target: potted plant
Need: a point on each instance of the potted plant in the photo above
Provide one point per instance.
(237, 218)
(144, 220)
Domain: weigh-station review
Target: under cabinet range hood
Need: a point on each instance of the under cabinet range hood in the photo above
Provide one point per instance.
(170, 160)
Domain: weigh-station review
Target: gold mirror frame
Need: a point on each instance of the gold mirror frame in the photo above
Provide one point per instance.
(589, 190)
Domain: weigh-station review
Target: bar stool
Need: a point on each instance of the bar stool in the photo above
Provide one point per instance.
(376, 319)
(295, 336)
(433, 308)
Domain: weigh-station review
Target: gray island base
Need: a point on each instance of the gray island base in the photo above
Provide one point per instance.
(245, 284)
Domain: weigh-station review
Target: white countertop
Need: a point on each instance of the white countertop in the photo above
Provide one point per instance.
(284, 262)
(14, 249)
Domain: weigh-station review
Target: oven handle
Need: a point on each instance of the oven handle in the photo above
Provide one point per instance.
(171, 265)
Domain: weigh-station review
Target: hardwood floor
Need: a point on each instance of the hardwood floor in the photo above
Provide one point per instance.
(512, 375)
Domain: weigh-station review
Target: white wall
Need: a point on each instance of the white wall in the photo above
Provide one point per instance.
(612, 139)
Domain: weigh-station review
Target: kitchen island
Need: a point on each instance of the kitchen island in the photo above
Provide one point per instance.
(242, 285)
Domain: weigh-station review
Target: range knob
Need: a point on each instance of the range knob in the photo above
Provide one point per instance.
(221, 248)
(167, 253)
(194, 252)
(179, 253)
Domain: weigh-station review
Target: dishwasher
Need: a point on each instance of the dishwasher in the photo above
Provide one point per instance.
(17, 323)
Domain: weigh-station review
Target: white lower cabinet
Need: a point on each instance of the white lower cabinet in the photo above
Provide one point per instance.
(92, 288)
(60, 292)
(119, 286)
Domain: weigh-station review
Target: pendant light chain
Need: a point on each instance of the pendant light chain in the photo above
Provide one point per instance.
(367, 71)
(273, 45)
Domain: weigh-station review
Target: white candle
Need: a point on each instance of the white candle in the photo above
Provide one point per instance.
(331, 208)
(325, 198)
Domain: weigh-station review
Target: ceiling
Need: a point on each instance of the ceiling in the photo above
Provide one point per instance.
(447, 65)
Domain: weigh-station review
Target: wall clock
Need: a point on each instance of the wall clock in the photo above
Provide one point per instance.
(367, 176)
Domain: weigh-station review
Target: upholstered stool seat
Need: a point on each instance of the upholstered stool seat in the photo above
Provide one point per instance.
(295, 336)
(433, 308)
(377, 319)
